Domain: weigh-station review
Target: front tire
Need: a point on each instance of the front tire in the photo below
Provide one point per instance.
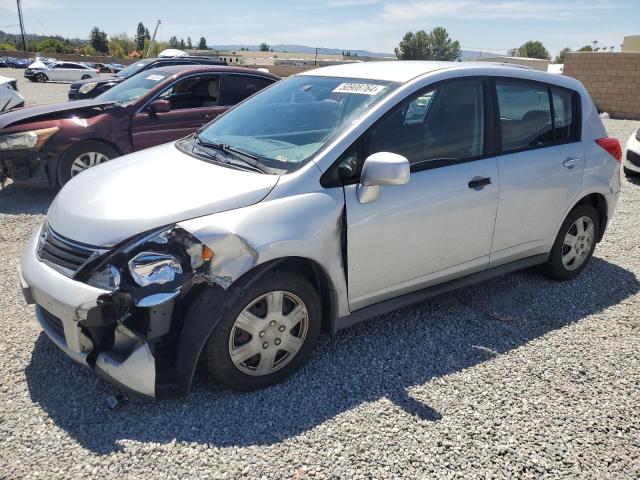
(265, 334)
(85, 77)
(574, 244)
(41, 78)
(82, 157)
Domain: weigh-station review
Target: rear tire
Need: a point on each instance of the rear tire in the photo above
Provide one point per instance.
(82, 157)
(256, 344)
(574, 244)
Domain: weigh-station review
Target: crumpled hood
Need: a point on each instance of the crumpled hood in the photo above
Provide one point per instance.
(45, 112)
(148, 189)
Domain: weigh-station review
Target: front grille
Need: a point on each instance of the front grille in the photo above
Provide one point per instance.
(633, 158)
(62, 254)
(53, 322)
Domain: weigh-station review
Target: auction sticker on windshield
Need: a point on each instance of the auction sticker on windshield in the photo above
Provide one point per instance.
(360, 88)
(155, 78)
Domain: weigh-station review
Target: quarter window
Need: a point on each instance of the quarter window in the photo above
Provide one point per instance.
(563, 115)
(445, 124)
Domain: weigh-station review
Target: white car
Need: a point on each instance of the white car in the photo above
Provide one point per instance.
(59, 72)
(631, 163)
(9, 95)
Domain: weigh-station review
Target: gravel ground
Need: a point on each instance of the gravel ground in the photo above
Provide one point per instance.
(516, 377)
(37, 93)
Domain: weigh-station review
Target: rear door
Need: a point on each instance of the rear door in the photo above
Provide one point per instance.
(194, 101)
(541, 166)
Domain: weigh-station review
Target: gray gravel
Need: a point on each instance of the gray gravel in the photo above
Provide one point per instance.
(37, 93)
(516, 377)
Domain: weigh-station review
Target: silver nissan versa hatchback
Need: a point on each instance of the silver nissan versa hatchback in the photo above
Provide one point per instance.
(327, 198)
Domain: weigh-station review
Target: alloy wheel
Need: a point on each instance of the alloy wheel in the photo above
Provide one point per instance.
(268, 333)
(577, 243)
(86, 161)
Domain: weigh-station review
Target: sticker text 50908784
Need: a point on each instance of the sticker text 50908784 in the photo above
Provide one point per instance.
(360, 88)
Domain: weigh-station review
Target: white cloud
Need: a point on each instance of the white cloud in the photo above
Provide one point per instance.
(517, 9)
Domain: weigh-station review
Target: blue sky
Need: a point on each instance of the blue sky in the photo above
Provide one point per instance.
(375, 25)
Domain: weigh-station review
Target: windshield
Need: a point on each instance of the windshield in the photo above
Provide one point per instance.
(133, 88)
(132, 69)
(289, 122)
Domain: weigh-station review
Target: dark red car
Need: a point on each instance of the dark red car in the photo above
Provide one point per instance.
(52, 143)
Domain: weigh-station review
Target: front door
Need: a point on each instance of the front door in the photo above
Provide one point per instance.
(440, 225)
(540, 169)
(194, 102)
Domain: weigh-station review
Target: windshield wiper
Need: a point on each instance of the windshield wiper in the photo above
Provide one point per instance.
(248, 158)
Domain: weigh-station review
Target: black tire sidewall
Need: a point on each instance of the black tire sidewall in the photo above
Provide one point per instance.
(66, 161)
(218, 360)
(555, 268)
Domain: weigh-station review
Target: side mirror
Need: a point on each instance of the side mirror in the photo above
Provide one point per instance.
(382, 168)
(159, 106)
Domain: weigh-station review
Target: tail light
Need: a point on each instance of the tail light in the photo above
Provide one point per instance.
(612, 146)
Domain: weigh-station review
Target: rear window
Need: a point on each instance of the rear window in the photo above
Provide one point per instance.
(534, 114)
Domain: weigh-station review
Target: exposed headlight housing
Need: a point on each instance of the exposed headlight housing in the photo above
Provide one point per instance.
(108, 278)
(33, 139)
(148, 268)
(87, 87)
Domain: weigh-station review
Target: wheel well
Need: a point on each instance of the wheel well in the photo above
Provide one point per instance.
(598, 202)
(313, 272)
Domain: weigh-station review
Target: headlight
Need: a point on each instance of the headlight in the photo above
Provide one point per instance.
(87, 87)
(108, 278)
(154, 268)
(26, 140)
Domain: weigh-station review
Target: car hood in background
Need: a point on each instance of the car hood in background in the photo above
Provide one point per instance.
(45, 112)
(4, 80)
(148, 189)
(113, 79)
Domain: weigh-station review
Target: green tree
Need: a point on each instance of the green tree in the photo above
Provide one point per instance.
(414, 46)
(435, 45)
(586, 48)
(264, 47)
(202, 44)
(173, 42)
(7, 46)
(531, 49)
(560, 56)
(50, 45)
(121, 43)
(156, 48)
(442, 47)
(141, 35)
(98, 40)
(189, 44)
(182, 45)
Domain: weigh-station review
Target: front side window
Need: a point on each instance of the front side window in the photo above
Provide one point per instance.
(287, 124)
(193, 92)
(525, 114)
(444, 124)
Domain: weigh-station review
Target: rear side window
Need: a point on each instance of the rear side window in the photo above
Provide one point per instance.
(236, 88)
(436, 127)
(525, 114)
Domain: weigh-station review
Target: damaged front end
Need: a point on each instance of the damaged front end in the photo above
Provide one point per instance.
(131, 335)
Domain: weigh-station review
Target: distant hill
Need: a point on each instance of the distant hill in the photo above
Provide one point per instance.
(294, 48)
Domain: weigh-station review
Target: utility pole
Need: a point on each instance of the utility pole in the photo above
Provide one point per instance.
(315, 62)
(155, 30)
(24, 44)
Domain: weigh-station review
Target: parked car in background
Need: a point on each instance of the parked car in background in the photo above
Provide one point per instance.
(92, 88)
(4, 62)
(59, 72)
(114, 67)
(20, 63)
(9, 95)
(632, 157)
(50, 144)
(333, 196)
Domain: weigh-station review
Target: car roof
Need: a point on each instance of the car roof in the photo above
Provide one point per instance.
(181, 69)
(403, 71)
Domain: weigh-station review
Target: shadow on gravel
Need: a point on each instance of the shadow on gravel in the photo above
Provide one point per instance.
(17, 200)
(381, 358)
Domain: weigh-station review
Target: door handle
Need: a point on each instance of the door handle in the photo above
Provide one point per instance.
(478, 183)
(571, 162)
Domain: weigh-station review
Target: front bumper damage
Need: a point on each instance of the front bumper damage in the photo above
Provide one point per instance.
(93, 327)
(25, 166)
